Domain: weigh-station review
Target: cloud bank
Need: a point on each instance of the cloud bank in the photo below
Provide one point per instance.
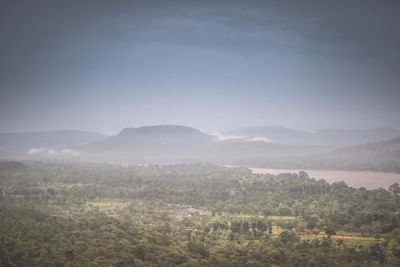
(220, 137)
(53, 152)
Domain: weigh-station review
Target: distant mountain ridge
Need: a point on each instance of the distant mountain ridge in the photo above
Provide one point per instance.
(277, 134)
(18, 144)
(385, 150)
(173, 141)
(326, 137)
(48, 138)
(381, 156)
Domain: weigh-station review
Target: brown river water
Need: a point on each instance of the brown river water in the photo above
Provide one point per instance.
(369, 180)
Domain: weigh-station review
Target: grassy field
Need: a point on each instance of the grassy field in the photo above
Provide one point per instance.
(350, 239)
(281, 218)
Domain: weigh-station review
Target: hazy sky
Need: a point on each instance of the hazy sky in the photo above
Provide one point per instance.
(213, 65)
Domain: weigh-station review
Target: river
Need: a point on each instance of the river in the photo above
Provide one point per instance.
(369, 180)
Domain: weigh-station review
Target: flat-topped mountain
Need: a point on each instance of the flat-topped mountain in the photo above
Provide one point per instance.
(149, 141)
(161, 131)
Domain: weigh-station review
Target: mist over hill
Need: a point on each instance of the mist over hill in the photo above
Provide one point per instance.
(253, 147)
(334, 138)
(20, 143)
(172, 142)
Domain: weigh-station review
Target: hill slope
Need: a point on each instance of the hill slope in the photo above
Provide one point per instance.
(17, 144)
(178, 142)
(327, 137)
(160, 141)
(386, 150)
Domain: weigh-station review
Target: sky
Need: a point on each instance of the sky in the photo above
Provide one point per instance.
(213, 65)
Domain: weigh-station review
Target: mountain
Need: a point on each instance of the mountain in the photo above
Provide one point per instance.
(344, 137)
(240, 148)
(334, 138)
(276, 134)
(152, 141)
(381, 156)
(17, 144)
(172, 142)
(386, 150)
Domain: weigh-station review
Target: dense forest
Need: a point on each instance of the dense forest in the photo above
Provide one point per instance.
(76, 214)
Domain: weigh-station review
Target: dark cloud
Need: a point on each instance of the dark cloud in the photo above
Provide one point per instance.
(77, 54)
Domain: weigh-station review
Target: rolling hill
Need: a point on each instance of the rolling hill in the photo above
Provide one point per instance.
(182, 142)
(174, 143)
(386, 150)
(375, 156)
(18, 144)
(335, 138)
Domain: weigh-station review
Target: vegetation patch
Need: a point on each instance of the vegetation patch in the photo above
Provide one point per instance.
(185, 215)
